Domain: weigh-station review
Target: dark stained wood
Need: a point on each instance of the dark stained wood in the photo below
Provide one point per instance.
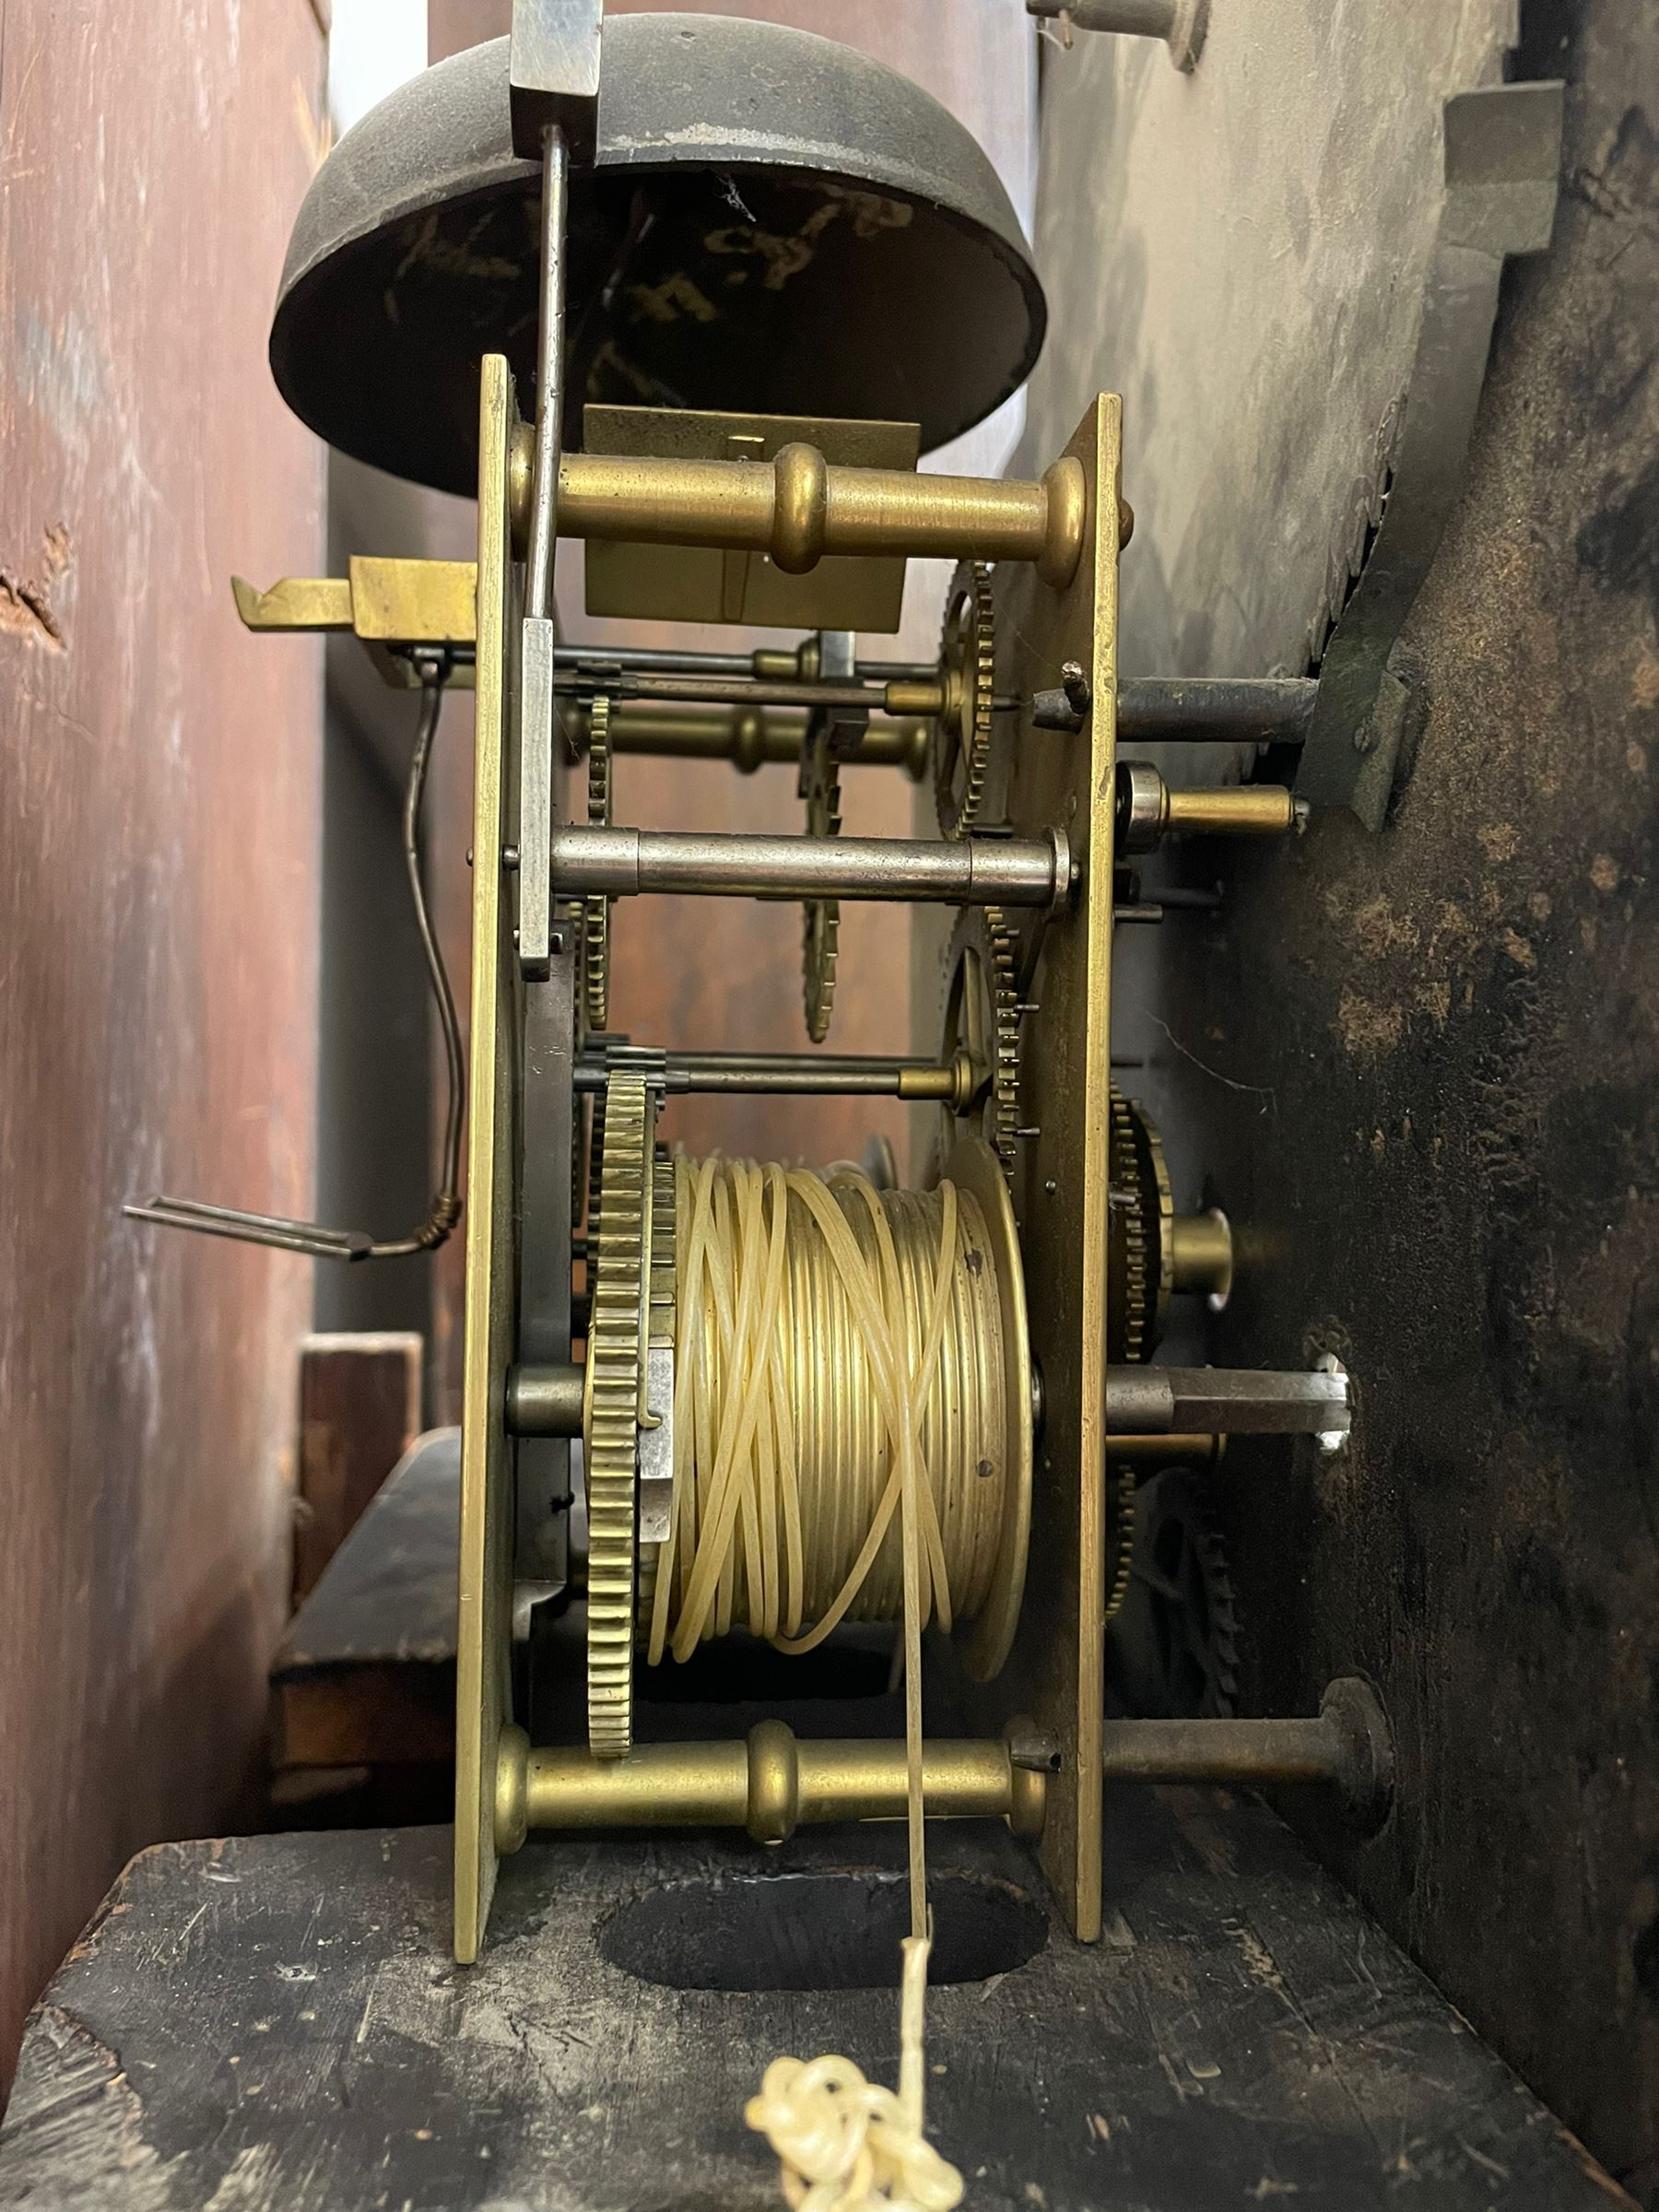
(1424, 1078)
(276, 2022)
(359, 1407)
(366, 1674)
(158, 904)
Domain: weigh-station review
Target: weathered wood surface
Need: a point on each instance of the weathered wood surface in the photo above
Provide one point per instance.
(158, 908)
(1422, 1071)
(276, 2023)
(366, 1674)
(359, 1407)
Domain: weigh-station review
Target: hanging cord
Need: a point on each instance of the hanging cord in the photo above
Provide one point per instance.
(322, 1242)
(843, 2143)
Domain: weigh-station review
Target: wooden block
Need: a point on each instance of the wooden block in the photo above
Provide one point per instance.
(359, 1409)
(366, 1674)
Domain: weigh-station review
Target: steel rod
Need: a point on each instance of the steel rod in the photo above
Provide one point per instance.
(925, 698)
(654, 660)
(804, 1072)
(1243, 1752)
(544, 1400)
(968, 872)
(1348, 1748)
(785, 1078)
(1138, 19)
(766, 662)
(1220, 1401)
(1258, 709)
(812, 1074)
(1151, 710)
(550, 393)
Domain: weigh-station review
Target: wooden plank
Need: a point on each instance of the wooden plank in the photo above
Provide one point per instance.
(388, 1596)
(397, 1714)
(1420, 1070)
(158, 907)
(272, 2022)
(366, 1674)
(359, 1407)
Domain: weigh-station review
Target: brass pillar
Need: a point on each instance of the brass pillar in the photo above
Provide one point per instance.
(799, 507)
(770, 1785)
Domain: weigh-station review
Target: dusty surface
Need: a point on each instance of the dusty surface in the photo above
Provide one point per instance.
(276, 2023)
(1422, 1073)
(1240, 253)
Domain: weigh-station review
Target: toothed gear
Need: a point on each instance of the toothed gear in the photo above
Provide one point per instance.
(1165, 1201)
(1174, 1651)
(584, 1177)
(982, 1018)
(1120, 1540)
(1141, 1265)
(596, 907)
(1132, 1237)
(820, 918)
(963, 733)
(621, 1278)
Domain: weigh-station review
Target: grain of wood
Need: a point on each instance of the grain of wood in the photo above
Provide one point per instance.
(359, 1407)
(290, 2033)
(158, 887)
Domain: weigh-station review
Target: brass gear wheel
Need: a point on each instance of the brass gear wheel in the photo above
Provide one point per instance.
(1141, 1244)
(620, 1273)
(982, 1019)
(820, 918)
(961, 751)
(596, 907)
(1131, 1249)
(1119, 1538)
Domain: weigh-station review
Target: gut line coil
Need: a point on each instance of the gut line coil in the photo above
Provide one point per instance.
(823, 1329)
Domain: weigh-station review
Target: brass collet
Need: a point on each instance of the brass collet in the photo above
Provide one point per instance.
(1147, 809)
(770, 1784)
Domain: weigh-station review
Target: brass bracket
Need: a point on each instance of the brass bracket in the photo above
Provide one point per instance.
(675, 582)
(396, 606)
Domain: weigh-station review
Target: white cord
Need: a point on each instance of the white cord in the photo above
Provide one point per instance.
(802, 1301)
(848, 2145)
(828, 1337)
